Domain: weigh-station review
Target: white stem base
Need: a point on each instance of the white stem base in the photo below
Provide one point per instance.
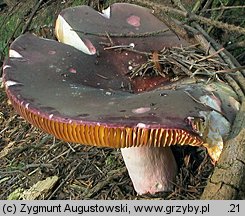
(151, 169)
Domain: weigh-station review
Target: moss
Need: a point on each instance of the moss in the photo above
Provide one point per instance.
(16, 194)
(78, 2)
(12, 23)
(9, 28)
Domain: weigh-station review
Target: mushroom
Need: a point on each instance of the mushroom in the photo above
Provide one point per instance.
(80, 92)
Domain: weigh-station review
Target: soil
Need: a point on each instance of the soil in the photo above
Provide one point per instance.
(28, 155)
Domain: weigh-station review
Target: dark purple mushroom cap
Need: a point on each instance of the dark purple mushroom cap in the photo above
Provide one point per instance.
(80, 98)
(81, 26)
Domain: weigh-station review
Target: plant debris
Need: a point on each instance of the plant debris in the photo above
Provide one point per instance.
(177, 62)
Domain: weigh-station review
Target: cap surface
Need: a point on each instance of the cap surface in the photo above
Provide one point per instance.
(86, 29)
(88, 98)
(54, 85)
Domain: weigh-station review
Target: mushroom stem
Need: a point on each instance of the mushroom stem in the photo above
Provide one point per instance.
(151, 169)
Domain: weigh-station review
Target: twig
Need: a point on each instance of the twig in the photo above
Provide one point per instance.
(65, 180)
(180, 5)
(241, 57)
(196, 6)
(211, 55)
(60, 155)
(71, 147)
(215, 16)
(236, 45)
(109, 38)
(130, 46)
(237, 84)
(207, 4)
(231, 70)
(16, 171)
(28, 166)
(46, 152)
(224, 8)
(177, 61)
(110, 176)
(180, 82)
(35, 9)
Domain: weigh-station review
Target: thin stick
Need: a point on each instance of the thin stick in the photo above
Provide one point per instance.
(65, 180)
(109, 38)
(224, 8)
(119, 47)
(236, 45)
(237, 84)
(24, 29)
(211, 55)
(231, 70)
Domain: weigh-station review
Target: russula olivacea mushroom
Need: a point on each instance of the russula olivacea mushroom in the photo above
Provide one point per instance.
(80, 92)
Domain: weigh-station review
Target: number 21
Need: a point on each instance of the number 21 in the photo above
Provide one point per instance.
(234, 208)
